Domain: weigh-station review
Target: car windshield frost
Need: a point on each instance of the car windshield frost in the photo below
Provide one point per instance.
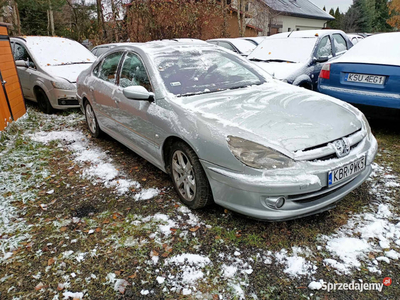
(296, 50)
(196, 72)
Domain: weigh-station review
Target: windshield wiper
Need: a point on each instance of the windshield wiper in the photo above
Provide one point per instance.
(74, 63)
(271, 60)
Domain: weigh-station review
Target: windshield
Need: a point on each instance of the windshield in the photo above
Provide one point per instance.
(195, 72)
(298, 50)
(244, 46)
(58, 51)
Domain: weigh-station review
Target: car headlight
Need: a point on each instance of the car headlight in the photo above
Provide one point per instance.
(366, 124)
(63, 85)
(258, 156)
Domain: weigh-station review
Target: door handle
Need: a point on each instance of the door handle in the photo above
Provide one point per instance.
(91, 89)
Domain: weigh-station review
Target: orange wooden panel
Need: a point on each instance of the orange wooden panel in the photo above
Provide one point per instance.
(4, 112)
(18, 110)
(13, 88)
(3, 30)
(7, 65)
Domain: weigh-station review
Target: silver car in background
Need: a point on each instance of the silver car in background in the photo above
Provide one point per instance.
(225, 131)
(48, 67)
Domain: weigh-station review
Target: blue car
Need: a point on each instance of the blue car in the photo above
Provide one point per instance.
(367, 76)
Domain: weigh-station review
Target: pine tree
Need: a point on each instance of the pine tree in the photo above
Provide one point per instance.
(332, 23)
(381, 16)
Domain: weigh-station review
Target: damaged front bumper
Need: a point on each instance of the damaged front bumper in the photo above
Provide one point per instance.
(304, 188)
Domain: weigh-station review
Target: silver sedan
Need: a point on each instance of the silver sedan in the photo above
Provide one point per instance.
(225, 131)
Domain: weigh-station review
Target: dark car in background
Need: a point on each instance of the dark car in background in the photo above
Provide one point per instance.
(368, 75)
(297, 57)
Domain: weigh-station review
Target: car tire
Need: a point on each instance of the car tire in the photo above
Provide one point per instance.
(43, 102)
(188, 176)
(91, 120)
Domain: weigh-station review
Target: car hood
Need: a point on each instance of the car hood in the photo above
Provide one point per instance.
(275, 114)
(282, 70)
(69, 72)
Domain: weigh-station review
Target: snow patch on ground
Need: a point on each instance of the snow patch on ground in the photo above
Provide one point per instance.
(100, 166)
(295, 265)
(191, 269)
(146, 194)
(372, 231)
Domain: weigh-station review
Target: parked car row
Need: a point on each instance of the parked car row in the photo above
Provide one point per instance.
(224, 129)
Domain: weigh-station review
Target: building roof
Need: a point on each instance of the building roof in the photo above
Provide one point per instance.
(298, 8)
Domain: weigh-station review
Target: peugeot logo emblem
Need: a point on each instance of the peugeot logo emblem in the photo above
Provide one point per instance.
(342, 147)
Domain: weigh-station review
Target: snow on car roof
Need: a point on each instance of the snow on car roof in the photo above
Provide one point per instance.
(381, 49)
(51, 51)
(172, 45)
(303, 34)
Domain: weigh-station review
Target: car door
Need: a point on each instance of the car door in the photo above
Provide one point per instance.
(102, 86)
(26, 74)
(322, 50)
(133, 115)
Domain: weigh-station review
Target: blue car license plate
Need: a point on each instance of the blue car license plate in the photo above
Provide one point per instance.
(365, 78)
(340, 174)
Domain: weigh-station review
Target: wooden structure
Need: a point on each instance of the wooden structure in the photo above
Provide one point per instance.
(12, 104)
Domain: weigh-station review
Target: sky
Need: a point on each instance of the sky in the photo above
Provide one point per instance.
(342, 4)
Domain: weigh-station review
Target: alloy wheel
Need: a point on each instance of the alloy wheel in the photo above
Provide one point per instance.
(184, 175)
(91, 119)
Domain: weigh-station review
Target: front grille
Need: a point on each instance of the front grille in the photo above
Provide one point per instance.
(325, 151)
(68, 102)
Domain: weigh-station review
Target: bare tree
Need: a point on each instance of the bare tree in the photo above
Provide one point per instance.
(264, 16)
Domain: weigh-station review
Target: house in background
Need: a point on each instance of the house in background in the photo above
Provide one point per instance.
(276, 16)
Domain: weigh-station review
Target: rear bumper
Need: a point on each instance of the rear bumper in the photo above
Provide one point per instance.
(361, 97)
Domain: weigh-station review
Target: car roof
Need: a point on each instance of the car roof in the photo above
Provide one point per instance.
(168, 45)
(38, 39)
(304, 34)
(223, 39)
(380, 49)
(109, 45)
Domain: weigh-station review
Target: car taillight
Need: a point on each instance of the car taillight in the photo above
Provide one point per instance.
(325, 71)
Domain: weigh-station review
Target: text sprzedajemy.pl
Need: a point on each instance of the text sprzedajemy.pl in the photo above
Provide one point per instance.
(353, 286)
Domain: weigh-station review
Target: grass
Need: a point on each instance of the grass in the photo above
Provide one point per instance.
(122, 243)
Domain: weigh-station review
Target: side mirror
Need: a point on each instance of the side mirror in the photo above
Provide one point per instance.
(321, 59)
(22, 63)
(138, 92)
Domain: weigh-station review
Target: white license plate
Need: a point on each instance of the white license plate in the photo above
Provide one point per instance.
(365, 78)
(339, 174)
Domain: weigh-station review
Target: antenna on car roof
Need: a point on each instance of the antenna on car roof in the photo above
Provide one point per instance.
(290, 33)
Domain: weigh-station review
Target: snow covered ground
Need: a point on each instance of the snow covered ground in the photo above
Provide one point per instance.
(182, 263)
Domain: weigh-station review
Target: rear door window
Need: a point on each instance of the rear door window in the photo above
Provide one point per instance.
(109, 67)
(339, 43)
